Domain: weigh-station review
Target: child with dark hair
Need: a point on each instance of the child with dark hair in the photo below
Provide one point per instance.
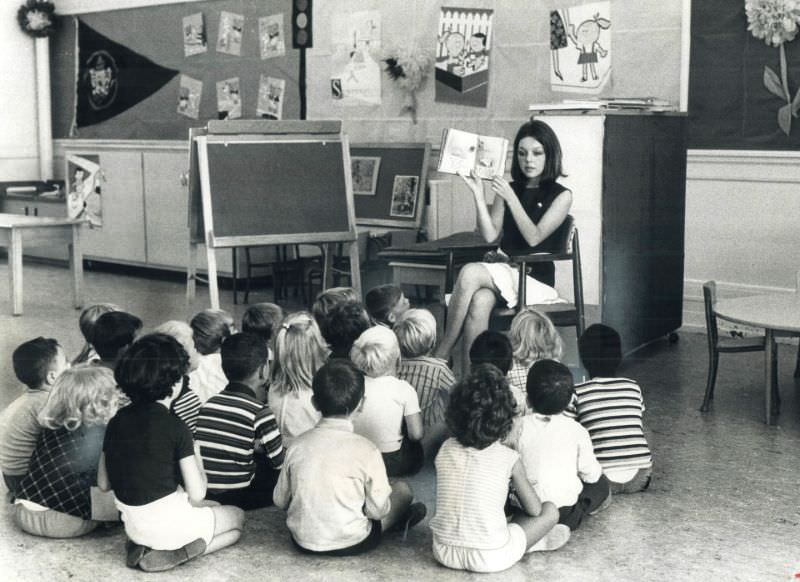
(342, 326)
(385, 304)
(111, 334)
(238, 435)
(37, 364)
(262, 319)
(329, 298)
(556, 450)
(210, 328)
(473, 469)
(333, 484)
(86, 323)
(154, 468)
(492, 347)
(611, 409)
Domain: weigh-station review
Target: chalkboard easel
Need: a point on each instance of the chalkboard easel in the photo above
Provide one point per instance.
(269, 183)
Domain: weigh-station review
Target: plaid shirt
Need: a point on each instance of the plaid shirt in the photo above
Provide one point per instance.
(517, 381)
(432, 380)
(63, 470)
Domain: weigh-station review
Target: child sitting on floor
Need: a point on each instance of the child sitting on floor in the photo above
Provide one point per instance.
(334, 484)
(330, 298)
(388, 403)
(112, 333)
(86, 324)
(263, 320)
(342, 326)
(492, 347)
(55, 498)
(210, 328)
(187, 405)
(385, 304)
(473, 470)
(611, 408)
(154, 468)
(299, 352)
(533, 337)
(239, 441)
(37, 364)
(556, 451)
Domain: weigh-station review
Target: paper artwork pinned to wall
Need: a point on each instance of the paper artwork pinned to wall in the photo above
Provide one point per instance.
(355, 69)
(83, 189)
(194, 35)
(191, 93)
(404, 196)
(229, 100)
(229, 39)
(365, 174)
(580, 48)
(270, 36)
(463, 53)
(270, 97)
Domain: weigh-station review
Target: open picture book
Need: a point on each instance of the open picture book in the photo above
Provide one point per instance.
(462, 152)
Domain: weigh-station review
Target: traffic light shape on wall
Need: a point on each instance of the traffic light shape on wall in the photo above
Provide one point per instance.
(301, 24)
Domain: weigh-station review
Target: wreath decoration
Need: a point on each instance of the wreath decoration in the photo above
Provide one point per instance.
(408, 68)
(37, 18)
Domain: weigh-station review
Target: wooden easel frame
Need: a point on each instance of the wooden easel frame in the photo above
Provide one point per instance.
(257, 131)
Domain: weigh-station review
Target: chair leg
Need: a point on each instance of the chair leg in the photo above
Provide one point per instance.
(776, 394)
(249, 270)
(713, 363)
(797, 365)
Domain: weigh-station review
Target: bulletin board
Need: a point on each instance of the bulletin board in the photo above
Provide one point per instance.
(155, 32)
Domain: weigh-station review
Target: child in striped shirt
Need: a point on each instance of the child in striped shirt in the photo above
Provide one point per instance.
(239, 441)
(187, 405)
(611, 409)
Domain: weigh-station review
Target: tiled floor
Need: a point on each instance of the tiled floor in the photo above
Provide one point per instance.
(723, 504)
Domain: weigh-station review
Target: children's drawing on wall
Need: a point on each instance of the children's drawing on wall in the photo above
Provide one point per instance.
(463, 55)
(229, 38)
(270, 36)
(229, 100)
(580, 47)
(83, 189)
(194, 35)
(270, 97)
(191, 92)
(355, 70)
(404, 196)
(365, 174)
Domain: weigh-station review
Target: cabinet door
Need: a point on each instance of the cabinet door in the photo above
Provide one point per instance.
(121, 235)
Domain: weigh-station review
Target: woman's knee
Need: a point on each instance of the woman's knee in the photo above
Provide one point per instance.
(483, 300)
(472, 275)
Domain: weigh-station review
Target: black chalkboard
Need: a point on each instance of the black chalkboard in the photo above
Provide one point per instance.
(397, 159)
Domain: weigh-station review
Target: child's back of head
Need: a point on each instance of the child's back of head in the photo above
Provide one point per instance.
(85, 395)
(416, 333)
(243, 356)
(262, 319)
(600, 348)
(338, 388)
(113, 332)
(299, 352)
(376, 352)
(550, 387)
(329, 298)
(182, 332)
(37, 362)
(210, 328)
(534, 337)
(481, 408)
(152, 368)
(492, 347)
(385, 303)
(342, 326)
(86, 321)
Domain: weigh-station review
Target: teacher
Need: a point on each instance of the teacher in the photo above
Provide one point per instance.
(529, 213)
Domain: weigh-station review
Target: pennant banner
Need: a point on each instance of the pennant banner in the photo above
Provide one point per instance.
(111, 77)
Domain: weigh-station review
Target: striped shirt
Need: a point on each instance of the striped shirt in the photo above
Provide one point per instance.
(611, 410)
(471, 491)
(231, 424)
(187, 405)
(432, 379)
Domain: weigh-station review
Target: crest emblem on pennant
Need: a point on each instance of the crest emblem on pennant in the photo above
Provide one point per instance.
(102, 76)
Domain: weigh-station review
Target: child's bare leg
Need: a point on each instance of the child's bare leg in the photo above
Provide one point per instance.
(228, 524)
(472, 277)
(537, 527)
(401, 499)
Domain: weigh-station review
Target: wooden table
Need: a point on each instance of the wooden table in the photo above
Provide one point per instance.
(776, 313)
(16, 230)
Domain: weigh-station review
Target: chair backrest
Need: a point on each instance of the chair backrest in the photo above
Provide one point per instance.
(577, 278)
(709, 300)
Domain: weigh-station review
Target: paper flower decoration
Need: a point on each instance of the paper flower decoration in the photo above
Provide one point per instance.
(408, 68)
(776, 23)
(37, 18)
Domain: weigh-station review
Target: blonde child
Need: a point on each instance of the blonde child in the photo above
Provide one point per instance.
(55, 498)
(533, 337)
(187, 405)
(388, 403)
(86, 323)
(299, 352)
(210, 328)
(473, 469)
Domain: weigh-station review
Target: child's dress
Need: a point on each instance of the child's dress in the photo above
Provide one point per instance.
(293, 411)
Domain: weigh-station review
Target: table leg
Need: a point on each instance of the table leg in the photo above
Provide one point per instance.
(770, 380)
(76, 265)
(15, 271)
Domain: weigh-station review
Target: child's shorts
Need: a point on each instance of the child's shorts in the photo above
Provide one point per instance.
(370, 542)
(474, 560)
(168, 523)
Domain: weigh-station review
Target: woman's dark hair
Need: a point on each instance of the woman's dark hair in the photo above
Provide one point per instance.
(544, 134)
(112, 332)
(150, 367)
(549, 387)
(492, 347)
(338, 388)
(600, 348)
(481, 407)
